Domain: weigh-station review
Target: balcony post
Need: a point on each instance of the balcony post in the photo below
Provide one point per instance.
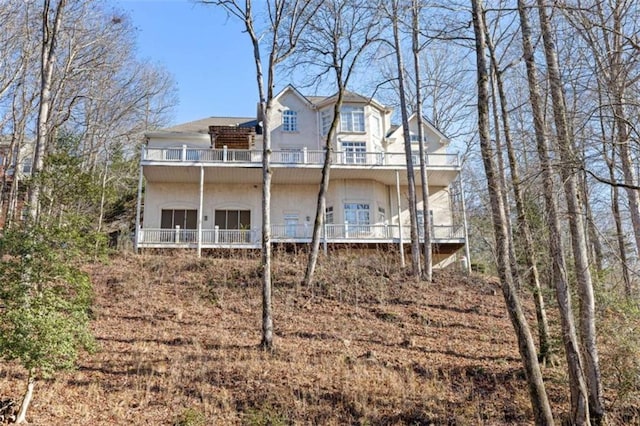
(184, 153)
(177, 236)
(324, 236)
(346, 229)
(216, 234)
(305, 155)
(399, 219)
(200, 205)
(467, 252)
(138, 234)
(224, 154)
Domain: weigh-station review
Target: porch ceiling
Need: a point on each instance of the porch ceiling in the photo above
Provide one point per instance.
(290, 175)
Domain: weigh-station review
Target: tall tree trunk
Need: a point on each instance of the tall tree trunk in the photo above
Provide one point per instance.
(501, 171)
(579, 398)
(427, 270)
(411, 180)
(576, 226)
(48, 58)
(537, 392)
(524, 234)
(324, 189)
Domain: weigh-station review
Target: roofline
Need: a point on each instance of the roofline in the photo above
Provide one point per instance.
(290, 87)
(366, 100)
(159, 134)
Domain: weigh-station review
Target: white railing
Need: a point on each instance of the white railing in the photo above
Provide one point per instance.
(292, 233)
(293, 157)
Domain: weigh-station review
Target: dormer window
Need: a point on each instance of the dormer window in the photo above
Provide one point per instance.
(289, 121)
(352, 119)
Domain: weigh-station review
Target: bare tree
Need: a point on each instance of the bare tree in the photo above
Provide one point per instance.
(287, 21)
(523, 227)
(341, 33)
(579, 399)
(52, 16)
(537, 392)
(578, 237)
(427, 270)
(395, 15)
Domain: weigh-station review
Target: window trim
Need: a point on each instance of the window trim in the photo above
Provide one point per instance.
(289, 121)
(348, 115)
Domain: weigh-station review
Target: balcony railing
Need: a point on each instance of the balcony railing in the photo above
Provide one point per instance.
(290, 233)
(292, 157)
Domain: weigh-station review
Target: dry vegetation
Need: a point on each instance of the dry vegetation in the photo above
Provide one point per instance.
(178, 346)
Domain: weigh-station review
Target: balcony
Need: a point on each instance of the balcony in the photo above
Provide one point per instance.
(331, 234)
(288, 158)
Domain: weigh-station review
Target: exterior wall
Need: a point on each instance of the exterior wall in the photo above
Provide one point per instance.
(439, 203)
(306, 136)
(359, 191)
(290, 200)
(160, 196)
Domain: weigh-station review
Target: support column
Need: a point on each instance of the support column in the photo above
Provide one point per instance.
(467, 252)
(200, 211)
(402, 263)
(139, 204)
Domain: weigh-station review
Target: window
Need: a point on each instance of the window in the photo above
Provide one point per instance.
(356, 213)
(233, 219)
(415, 138)
(352, 119)
(325, 117)
(382, 215)
(26, 166)
(291, 225)
(187, 220)
(328, 215)
(357, 217)
(289, 121)
(355, 152)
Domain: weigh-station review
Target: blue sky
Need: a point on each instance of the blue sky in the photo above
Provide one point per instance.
(206, 52)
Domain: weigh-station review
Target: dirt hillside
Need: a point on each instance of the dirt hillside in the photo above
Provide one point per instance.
(178, 342)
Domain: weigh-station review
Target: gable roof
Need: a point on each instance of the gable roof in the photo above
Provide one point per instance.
(296, 92)
(347, 97)
(444, 139)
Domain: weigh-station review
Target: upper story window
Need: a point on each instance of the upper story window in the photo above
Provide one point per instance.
(290, 121)
(325, 117)
(415, 138)
(352, 119)
(26, 166)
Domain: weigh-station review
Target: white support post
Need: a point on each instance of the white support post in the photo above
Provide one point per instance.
(177, 236)
(402, 263)
(305, 155)
(467, 252)
(184, 153)
(324, 239)
(138, 231)
(216, 234)
(224, 153)
(346, 229)
(200, 205)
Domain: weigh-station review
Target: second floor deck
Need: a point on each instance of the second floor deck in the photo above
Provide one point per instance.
(290, 166)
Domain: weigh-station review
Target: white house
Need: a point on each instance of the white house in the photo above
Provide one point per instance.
(203, 179)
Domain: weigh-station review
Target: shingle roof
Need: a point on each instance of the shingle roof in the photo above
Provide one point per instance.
(202, 125)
